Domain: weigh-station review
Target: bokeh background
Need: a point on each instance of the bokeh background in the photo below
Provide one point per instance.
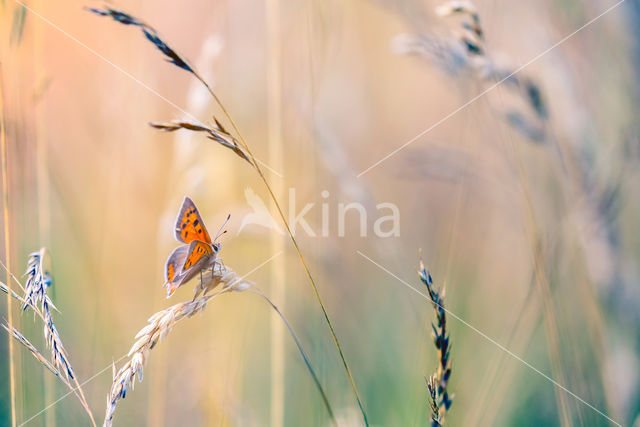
(530, 219)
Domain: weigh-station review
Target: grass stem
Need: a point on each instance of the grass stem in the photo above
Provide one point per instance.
(7, 247)
(173, 57)
(327, 405)
(295, 244)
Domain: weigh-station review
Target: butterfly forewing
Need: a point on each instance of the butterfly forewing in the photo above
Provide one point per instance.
(189, 225)
(175, 262)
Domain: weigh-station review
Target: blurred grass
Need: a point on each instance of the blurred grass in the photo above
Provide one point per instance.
(115, 184)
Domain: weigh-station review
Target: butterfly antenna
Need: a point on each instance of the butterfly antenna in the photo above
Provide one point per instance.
(220, 232)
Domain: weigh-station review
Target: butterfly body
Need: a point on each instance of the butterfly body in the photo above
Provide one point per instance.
(198, 253)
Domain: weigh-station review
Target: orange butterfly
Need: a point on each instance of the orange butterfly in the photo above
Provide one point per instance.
(197, 254)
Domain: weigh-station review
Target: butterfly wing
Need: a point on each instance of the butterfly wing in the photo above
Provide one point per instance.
(189, 225)
(174, 264)
(197, 252)
(196, 258)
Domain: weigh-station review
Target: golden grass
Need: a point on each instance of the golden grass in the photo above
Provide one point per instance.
(7, 245)
(177, 60)
(43, 185)
(276, 155)
(543, 298)
(36, 299)
(297, 248)
(471, 36)
(162, 322)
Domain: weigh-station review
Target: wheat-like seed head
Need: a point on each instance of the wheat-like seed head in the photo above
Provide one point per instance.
(159, 326)
(38, 281)
(243, 151)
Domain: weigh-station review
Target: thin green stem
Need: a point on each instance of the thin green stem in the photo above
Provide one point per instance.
(295, 243)
(300, 349)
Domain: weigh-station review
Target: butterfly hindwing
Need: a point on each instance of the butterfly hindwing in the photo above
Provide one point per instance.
(197, 251)
(175, 262)
(194, 258)
(189, 225)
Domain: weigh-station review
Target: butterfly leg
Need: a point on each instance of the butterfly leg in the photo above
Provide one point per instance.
(218, 264)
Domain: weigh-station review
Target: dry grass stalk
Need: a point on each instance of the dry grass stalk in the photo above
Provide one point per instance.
(25, 342)
(439, 398)
(149, 33)
(325, 400)
(466, 52)
(17, 335)
(275, 144)
(217, 133)
(35, 293)
(18, 24)
(126, 19)
(161, 323)
(4, 288)
(531, 124)
(36, 298)
(7, 245)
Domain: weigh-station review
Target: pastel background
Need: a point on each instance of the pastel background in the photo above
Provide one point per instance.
(537, 240)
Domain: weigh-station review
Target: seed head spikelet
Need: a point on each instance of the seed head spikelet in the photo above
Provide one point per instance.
(36, 299)
(149, 33)
(439, 397)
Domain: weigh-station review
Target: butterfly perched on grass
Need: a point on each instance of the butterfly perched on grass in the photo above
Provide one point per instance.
(198, 253)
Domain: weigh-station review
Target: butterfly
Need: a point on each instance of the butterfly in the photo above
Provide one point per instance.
(197, 254)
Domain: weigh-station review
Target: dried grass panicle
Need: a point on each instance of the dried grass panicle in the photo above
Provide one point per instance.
(149, 32)
(466, 52)
(217, 133)
(244, 152)
(36, 298)
(161, 323)
(36, 294)
(37, 281)
(473, 27)
(159, 326)
(472, 36)
(439, 397)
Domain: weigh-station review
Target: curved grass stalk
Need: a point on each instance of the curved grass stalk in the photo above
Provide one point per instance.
(295, 244)
(7, 248)
(77, 391)
(173, 57)
(162, 322)
(327, 405)
(277, 241)
(28, 302)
